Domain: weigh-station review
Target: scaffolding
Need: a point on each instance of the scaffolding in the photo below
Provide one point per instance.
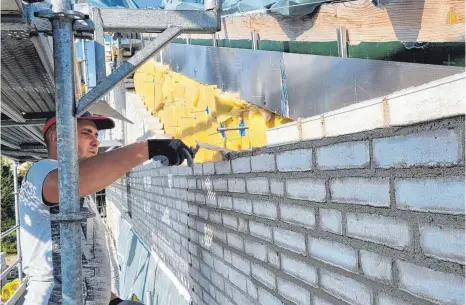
(39, 77)
(27, 24)
(15, 228)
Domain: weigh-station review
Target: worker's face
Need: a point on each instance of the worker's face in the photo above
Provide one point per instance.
(88, 145)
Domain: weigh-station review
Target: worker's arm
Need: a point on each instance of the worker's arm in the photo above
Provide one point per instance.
(98, 172)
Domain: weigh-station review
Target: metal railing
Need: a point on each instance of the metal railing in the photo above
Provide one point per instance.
(15, 228)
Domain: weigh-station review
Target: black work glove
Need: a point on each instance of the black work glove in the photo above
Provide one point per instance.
(172, 149)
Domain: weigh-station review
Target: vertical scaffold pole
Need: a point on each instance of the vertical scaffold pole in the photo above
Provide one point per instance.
(18, 237)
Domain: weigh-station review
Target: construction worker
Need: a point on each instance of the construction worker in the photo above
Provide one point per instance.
(40, 235)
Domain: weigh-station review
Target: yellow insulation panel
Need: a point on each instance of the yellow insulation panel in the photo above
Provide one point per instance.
(192, 111)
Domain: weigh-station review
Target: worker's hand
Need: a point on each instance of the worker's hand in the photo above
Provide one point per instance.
(174, 150)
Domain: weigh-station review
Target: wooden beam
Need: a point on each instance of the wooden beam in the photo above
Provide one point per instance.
(402, 20)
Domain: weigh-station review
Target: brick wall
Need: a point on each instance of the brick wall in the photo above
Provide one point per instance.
(372, 218)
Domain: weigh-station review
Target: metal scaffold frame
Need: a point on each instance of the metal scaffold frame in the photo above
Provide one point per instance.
(14, 228)
(66, 22)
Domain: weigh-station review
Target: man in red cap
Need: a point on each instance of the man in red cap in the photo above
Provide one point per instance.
(40, 236)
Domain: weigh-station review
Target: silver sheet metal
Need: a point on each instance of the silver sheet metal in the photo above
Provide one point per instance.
(297, 85)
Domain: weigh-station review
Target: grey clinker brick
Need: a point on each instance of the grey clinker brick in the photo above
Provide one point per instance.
(241, 165)
(277, 187)
(221, 234)
(235, 240)
(442, 195)
(266, 298)
(331, 221)
(197, 169)
(343, 155)
(228, 289)
(258, 185)
(211, 199)
(240, 297)
(385, 299)
(319, 301)
(217, 249)
(306, 189)
(215, 217)
(273, 258)
(256, 250)
(221, 267)
(242, 205)
(236, 185)
(208, 168)
(263, 163)
(443, 242)
(220, 184)
(193, 248)
(238, 279)
(429, 148)
(204, 213)
(383, 230)
(230, 221)
(293, 292)
(190, 196)
(200, 184)
(252, 289)
(207, 258)
(299, 269)
(345, 288)
(294, 160)
(266, 209)
(241, 263)
(223, 167)
(290, 240)
(222, 298)
(225, 202)
(442, 288)
(195, 262)
(227, 255)
(297, 215)
(200, 198)
(313, 226)
(263, 275)
(376, 266)
(333, 253)
(260, 230)
(217, 280)
(205, 270)
(362, 191)
(243, 225)
(193, 209)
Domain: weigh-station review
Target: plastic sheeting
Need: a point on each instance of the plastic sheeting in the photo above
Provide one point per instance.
(114, 3)
(291, 8)
(142, 273)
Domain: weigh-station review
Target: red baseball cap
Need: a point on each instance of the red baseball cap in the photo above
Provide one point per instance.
(101, 122)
